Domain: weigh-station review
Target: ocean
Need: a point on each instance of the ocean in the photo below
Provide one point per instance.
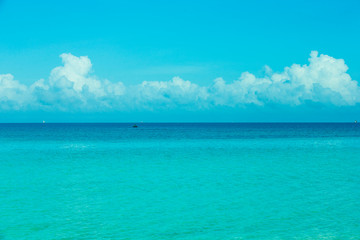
(180, 181)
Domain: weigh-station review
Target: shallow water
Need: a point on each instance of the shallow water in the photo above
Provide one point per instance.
(180, 181)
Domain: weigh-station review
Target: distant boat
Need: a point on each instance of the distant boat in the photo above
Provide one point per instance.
(355, 121)
(43, 121)
(135, 126)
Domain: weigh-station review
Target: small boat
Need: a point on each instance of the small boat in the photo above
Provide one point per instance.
(135, 126)
(355, 121)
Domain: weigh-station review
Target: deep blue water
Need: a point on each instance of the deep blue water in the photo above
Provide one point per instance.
(180, 181)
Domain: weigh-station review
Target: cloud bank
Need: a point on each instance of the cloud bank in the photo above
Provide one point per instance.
(72, 87)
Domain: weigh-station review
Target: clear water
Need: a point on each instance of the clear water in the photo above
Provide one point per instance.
(180, 181)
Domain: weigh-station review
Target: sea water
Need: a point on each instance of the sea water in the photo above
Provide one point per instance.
(180, 181)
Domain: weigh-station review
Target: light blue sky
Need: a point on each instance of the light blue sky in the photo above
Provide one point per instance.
(199, 41)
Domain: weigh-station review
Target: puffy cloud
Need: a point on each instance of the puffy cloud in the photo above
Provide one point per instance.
(323, 80)
(169, 93)
(72, 87)
(13, 95)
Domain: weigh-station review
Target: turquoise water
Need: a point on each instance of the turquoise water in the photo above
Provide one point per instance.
(180, 181)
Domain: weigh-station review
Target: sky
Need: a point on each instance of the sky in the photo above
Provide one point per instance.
(179, 61)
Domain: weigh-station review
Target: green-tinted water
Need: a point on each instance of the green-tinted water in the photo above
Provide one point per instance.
(179, 181)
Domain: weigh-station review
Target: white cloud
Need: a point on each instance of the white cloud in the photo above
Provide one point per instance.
(323, 80)
(72, 87)
(13, 95)
(169, 93)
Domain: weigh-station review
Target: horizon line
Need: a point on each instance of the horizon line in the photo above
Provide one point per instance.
(142, 122)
